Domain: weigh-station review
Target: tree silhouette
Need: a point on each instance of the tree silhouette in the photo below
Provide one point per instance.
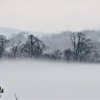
(68, 54)
(33, 46)
(83, 47)
(57, 54)
(3, 42)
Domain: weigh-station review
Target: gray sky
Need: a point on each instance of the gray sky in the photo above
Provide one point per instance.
(50, 15)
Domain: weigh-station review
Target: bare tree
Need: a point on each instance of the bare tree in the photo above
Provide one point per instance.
(83, 47)
(15, 49)
(33, 46)
(3, 42)
(68, 54)
(57, 54)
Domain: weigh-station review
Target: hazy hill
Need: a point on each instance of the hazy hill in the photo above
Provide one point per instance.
(8, 31)
(54, 41)
(62, 40)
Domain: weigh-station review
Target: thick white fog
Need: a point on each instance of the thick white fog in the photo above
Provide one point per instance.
(32, 80)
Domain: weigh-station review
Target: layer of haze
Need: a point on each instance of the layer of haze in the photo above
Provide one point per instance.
(50, 15)
(39, 80)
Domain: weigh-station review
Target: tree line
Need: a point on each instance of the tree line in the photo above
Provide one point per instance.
(83, 49)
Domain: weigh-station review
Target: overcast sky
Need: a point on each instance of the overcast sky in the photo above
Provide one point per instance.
(50, 15)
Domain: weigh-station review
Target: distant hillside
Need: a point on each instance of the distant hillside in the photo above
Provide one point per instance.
(9, 31)
(54, 41)
(62, 40)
